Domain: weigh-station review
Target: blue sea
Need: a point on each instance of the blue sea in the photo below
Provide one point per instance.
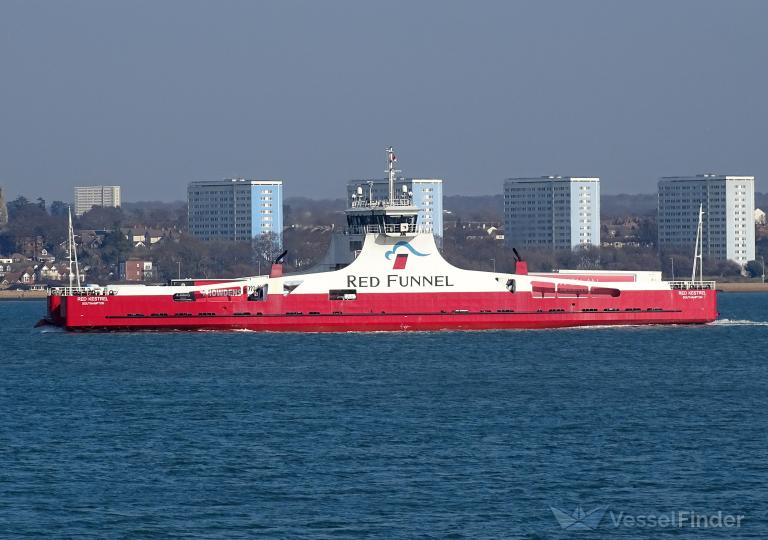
(635, 432)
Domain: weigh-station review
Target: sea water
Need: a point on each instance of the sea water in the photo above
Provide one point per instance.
(583, 433)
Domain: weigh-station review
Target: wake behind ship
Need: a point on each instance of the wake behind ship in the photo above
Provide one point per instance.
(391, 277)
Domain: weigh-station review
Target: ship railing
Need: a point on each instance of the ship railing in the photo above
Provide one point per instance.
(692, 285)
(76, 291)
(390, 229)
(361, 203)
(400, 202)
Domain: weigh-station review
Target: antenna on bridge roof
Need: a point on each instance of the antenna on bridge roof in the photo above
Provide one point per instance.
(391, 160)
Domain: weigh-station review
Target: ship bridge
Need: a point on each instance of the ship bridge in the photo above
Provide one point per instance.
(394, 216)
(390, 215)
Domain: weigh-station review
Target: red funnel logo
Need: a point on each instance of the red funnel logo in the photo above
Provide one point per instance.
(402, 258)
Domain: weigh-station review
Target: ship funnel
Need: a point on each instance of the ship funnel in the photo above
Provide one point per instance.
(276, 270)
(277, 266)
(521, 267)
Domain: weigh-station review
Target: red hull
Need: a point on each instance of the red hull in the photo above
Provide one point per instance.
(382, 311)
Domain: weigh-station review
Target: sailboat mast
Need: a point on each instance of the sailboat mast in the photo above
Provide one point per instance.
(69, 245)
(77, 265)
(698, 250)
(72, 252)
(701, 243)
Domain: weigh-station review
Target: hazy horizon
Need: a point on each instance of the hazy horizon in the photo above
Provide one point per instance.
(151, 96)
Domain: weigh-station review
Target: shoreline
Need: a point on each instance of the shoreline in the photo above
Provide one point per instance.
(23, 295)
(742, 287)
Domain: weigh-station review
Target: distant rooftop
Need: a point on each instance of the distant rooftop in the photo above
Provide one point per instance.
(708, 176)
(554, 178)
(398, 179)
(229, 181)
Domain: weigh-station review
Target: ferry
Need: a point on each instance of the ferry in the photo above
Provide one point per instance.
(385, 273)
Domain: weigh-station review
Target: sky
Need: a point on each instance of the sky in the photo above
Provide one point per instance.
(152, 95)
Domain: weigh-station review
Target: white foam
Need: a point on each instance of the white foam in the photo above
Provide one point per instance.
(50, 330)
(738, 322)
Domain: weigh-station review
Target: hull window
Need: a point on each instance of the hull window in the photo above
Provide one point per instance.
(259, 294)
(342, 294)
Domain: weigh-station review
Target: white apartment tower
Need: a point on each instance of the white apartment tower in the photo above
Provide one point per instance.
(557, 212)
(86, 197)
(728, 223)
(235, 209)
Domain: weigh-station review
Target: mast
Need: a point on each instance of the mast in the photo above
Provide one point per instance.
(72, 252)
(391, 160)
(69, 245)
(698, 251)
(77, 265)
(701, 242)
